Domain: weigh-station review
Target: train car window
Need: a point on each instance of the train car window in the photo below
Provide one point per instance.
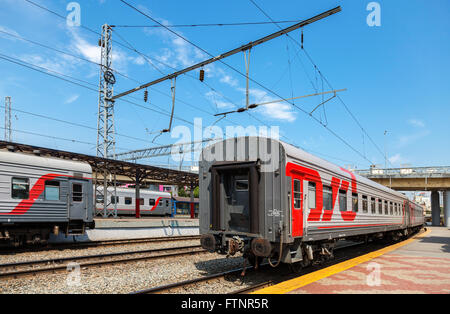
(77, 192)
(141, 201)
(386, 209)
(114, 200)
(160, 203)
(167, 203)
(365, 204)
(99, 199)
(391, 209)
(20, 188)
(355, 202)
(327, 198)
(241, 185)
(51, 192)
(312, 195)
(342, 200)
(152, 202)
(297, 195)
(380, 207)
(372, 205)
(128, 200)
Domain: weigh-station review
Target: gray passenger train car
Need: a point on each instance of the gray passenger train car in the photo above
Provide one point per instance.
(40, 195)
(152, 203)
(266, 198)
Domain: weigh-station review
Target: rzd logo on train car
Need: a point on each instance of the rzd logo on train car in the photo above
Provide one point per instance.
(319, 213)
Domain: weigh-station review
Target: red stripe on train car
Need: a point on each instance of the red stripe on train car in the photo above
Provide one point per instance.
(142, 210)
(36, 191)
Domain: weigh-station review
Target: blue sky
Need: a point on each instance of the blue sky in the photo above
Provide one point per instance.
(397, 74)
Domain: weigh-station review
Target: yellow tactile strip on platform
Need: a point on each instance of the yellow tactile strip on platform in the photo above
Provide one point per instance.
(302, 281)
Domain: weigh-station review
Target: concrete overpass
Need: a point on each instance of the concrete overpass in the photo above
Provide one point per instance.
(432, 179)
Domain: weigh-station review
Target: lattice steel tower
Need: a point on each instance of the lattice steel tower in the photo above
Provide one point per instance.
(105, 176)
(8, 136)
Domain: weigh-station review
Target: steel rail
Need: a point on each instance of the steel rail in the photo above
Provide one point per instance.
(117, 242)
(127, 241)
(190, 250)
(190, 282)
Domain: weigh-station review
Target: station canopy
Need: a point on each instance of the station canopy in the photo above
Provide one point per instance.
(125, 171)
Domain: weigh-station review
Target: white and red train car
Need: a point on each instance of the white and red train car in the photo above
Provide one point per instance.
(40, 195)
(152, 203)
(266, 198)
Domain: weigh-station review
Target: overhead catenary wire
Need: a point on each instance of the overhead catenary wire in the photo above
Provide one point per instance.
(322, 76)
(59, 138)
(244, 75)
(40, 69)
(60, 51)
(84, 126)
(147, 57)
(122, 45)
(72, 123)
(204, 24)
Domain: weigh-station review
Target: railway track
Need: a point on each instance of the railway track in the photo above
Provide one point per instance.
(19, 269)
(183, 286)
(78, 245)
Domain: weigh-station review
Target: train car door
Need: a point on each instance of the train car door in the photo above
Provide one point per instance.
(77, 199)
(297, 206)
(237, 206)
(235, 197)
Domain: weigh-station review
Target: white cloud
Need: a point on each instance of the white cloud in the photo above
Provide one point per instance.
(227, 79)
(417, 123)
(411, 138)
(8, 30)
(215, 99)
(87, 50)
(397, 159)
(72, 99)
(277, 111)
(53, 64)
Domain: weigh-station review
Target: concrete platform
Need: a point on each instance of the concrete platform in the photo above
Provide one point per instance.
(145, 223)
(417, 265)
(132, 228)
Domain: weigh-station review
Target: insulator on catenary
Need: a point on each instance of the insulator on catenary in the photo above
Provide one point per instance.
(145, 96)
(202, 75)
(302, 38)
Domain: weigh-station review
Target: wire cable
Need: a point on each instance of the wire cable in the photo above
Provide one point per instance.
(244, 75)
(320, 73)
(204, 24)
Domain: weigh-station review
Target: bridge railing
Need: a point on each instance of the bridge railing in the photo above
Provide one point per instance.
(406, 172)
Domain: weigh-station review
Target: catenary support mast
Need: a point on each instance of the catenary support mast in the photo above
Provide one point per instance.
(106, 141)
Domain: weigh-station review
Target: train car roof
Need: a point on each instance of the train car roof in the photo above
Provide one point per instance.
(45, 162)
(298, 153)
(142, 191)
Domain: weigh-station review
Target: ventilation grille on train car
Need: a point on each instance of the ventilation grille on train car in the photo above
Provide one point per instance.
(78, 175)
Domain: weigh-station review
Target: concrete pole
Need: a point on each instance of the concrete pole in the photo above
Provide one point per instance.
(435, 209)
(447, 208)
(192, 201)
(138, 194)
